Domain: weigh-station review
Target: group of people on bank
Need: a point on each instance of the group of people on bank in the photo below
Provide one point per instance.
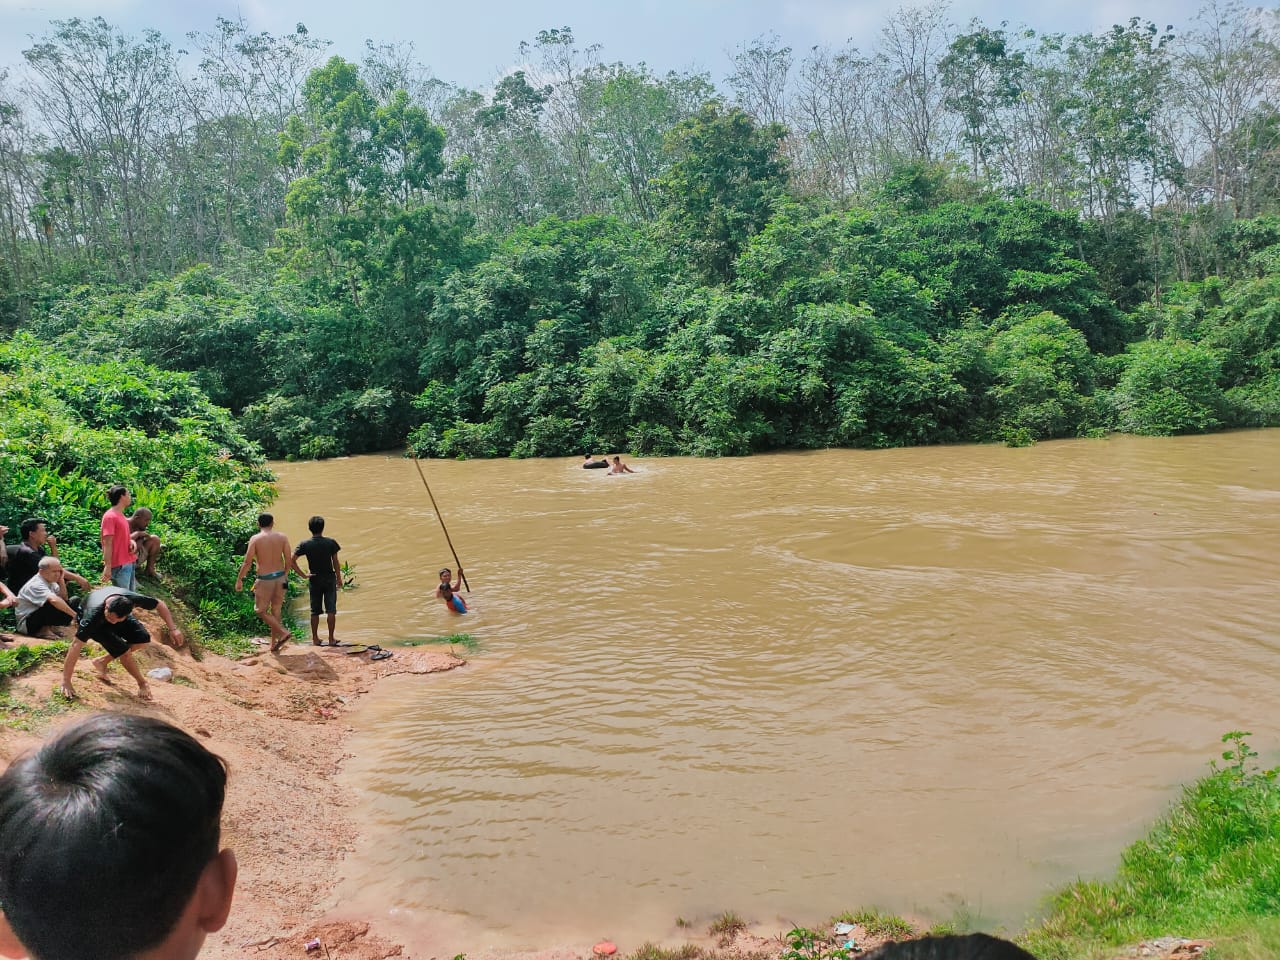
(34, 583)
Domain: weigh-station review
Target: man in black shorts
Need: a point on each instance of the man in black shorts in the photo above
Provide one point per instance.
(106, 616)
(325, 573)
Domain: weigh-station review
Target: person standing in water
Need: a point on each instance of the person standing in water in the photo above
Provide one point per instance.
(270, 551)
(448, 593)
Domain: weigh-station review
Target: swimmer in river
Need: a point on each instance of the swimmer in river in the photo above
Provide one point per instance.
(618, 468)
(448, 592)
(588, 463)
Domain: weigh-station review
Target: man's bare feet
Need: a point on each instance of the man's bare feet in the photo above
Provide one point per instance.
(278, 645)
(68, 691)
(100, 669)
(144, 692)
(47, 633)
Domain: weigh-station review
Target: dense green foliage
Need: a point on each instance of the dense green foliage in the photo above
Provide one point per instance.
(69, 429)
(1210, 867)
(1013, 246)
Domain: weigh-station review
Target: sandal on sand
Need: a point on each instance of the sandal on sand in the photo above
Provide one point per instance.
(354, 649)
(382, 655)
(279, 645)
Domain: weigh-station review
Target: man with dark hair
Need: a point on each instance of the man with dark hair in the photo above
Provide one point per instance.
(106, 617)
(37, 543)
(269, 550)
(119, 553)
(323, 576)
(970, 946)
(43, 607)
(109, 844)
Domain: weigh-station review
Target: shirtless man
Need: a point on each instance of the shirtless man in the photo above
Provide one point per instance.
(148, 544)
(618, 467)
(270, 551)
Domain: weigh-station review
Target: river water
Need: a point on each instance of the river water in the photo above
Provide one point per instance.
(930, 680)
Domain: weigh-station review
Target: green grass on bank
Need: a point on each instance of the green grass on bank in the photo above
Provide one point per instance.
(1209, 869)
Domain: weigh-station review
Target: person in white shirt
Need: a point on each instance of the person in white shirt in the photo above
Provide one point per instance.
(42, 602)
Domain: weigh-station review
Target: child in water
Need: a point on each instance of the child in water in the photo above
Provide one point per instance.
(448, 593)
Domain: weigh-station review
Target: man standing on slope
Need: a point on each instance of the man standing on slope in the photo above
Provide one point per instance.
(119, 554)
(270, 551)
(323, 577)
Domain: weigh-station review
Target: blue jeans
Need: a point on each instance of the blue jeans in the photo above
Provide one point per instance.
(123, 576)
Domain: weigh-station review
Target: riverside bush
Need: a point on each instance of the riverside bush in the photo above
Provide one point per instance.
(1209, 867)
(69, 429)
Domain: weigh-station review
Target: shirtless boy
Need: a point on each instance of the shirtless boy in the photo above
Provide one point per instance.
(269, 550)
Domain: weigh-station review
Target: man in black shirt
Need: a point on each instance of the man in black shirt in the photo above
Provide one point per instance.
(24, 562)
(106, 616)
(325, 573)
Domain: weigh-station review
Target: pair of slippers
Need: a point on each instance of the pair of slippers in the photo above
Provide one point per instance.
(377, 651)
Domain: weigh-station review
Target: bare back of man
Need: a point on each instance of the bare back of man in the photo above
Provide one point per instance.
(268, 553)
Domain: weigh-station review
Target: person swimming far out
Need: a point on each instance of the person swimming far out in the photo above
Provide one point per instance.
(589, 462)
(448, 593)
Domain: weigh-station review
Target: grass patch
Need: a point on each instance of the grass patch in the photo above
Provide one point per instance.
(650, 951)
(726, 927)
(1209, 868)
(21, 659)
(464, 640)
(19, 714)
(882, 926)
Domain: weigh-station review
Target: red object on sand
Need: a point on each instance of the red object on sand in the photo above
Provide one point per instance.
(605, 949)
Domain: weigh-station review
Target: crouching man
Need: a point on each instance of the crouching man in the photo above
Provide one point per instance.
(106, 617)
(109, 844)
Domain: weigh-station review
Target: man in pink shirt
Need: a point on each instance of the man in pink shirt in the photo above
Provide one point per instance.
(119, 553)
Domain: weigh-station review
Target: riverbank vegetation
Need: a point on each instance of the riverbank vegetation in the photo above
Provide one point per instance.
(69, 429)
(965, 233)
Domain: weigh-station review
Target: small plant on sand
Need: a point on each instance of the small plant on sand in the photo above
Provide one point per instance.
(882, 926)
(806, 944)
(682, 922)
(726, 927)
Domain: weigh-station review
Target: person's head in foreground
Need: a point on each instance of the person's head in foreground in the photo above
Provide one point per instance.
(109, 844)
(970, 946)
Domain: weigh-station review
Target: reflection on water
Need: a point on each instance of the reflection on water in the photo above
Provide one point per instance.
(794, 684)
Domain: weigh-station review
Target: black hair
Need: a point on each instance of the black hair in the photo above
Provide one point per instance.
(265, 519)
(115, 492)
(104, 834)
(30, 526)
(444, 570)
(970, 946)
(119, 605)
(316, 525)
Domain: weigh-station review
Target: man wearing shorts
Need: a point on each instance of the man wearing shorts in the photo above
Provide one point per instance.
(322, 580)
(269, 550)
(119, 554)
(106, 617)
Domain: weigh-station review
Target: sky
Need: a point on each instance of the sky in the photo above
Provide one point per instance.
(472, 43)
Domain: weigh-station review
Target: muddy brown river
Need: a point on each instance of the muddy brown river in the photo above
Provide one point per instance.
(930, 680)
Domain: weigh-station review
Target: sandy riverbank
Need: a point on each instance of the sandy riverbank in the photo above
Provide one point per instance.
(278, 722)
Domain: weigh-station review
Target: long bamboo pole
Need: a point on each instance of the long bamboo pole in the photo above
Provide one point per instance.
(439, 517)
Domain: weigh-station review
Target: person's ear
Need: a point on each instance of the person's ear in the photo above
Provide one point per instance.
(216, 890)
(9, 945)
